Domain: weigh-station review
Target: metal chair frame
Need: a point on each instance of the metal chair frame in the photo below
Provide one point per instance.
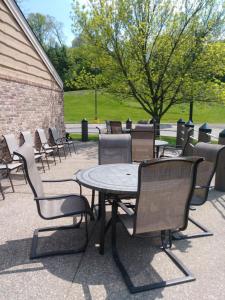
(204, 231)
(166, 238)
(34, 254)
(56, 139)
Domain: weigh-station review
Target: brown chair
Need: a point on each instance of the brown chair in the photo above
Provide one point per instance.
(52, 207)
(115, 127)
(160, 206)
(44, 145)
(12, 162)
(206, 171)
(183, 150)
(143, 144)
(7, 167)
(58, 139)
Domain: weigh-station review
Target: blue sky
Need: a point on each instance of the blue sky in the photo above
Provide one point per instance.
(60, 9)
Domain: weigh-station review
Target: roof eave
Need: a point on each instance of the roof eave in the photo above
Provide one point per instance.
(18, 15)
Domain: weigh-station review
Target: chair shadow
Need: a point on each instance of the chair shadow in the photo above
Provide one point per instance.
(92, 268)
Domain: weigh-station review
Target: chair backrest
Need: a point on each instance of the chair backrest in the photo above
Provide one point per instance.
(165, 188)
(26, 153)
(143, 144)
(115, 127)
(27, 136)
(144, 127)
(114, 148)
(42, 136)
(54, 134)
(206, 170)
(11, 142)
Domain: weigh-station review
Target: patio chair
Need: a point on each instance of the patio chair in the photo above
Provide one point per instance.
(52, 207)
(113, 149)
(27, 138)
(175, 151)
(160, 206)
(143, 144)
(59, 140)
(44, 144)
(7, 168)
(115, 127)
(12, 145)
(206, 171)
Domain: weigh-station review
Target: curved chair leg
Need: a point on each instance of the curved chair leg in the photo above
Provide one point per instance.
(58, 151)
(35, 255)
(137, 289)
(53, 153)
(68, 145)
(46, 157)
(204, 232)
(64, 151)
(43, 167)
(10, 180)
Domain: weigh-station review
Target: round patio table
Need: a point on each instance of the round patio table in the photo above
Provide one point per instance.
(109, 179)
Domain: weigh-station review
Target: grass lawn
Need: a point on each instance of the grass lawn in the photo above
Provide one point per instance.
(80, 104)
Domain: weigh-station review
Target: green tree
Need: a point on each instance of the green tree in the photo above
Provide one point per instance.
(47, 29)
(153, 50)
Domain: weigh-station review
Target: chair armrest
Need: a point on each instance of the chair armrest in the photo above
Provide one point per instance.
(59, 180)
(56, 197)
(198, 187)
(127, 210)
(99, 129)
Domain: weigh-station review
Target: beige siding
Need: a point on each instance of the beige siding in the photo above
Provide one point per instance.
(18, 59)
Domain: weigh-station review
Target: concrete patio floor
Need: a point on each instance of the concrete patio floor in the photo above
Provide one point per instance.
(90, 275)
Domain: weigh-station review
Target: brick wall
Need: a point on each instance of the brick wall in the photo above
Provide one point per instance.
(27, 107)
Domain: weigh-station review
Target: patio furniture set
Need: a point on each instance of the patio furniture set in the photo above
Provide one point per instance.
(42, 149)
(147, 194)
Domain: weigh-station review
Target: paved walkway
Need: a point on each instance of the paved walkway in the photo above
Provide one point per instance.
(166, 129)
(90, 275)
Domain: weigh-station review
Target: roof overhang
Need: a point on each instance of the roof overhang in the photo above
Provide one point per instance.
(18, 15)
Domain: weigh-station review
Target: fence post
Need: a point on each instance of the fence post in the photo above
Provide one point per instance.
(204, 133)
(189, 131)
(180, 132)
(220, 170)
(84, 130)
(129, 124)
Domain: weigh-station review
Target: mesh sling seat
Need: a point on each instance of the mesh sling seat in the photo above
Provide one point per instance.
(160, 206)
(115, 127)
(52, 207)
(143, 144)
(27, 137)
(205, 173)
(57, 139)
(113, 149)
